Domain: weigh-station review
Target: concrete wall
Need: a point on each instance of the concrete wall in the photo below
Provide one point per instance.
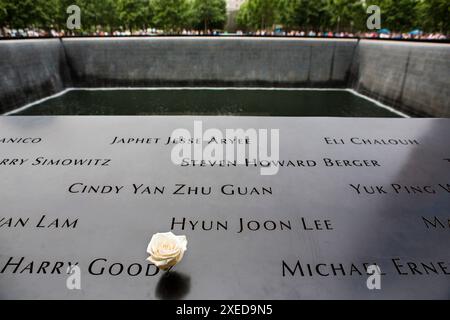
(30, 70)
(209, 61)
(413, 77)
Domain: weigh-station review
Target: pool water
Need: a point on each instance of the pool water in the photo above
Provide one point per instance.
(241, 102)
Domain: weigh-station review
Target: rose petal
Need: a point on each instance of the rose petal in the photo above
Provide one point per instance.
(166, 249)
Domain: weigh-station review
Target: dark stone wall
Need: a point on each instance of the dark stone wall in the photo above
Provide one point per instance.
(30, 70)
(110, 62)
(412, 77)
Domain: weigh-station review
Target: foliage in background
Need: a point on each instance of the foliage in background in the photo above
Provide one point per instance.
(434, 15)
(209, 14)
(295, 14)
(399, 15)
(108, 15)
(132, 14)
(171, 15)
(258, 14)
(174, 15)
(344, 15)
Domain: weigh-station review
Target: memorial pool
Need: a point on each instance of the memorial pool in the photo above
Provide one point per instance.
(210, 101)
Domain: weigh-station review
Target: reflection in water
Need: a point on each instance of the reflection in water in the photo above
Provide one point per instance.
(173, 285)
(210, 102)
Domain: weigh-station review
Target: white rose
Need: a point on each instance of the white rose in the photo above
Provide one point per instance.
(166, 249)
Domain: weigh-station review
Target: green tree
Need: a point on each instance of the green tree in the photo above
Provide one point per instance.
(3, 12)
(243, 16)
(285, 13)
(95, 14)
(170, 15)
(397, 15)
(258, 14)
(434, 15)
(344, 13)
(310, 14)
(44, 13)
(134, 13)
(21, 13)
(60, 14)
(209, 14)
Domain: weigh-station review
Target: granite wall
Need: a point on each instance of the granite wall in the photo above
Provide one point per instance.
(209, 61)
(412, 77)
(31, 70)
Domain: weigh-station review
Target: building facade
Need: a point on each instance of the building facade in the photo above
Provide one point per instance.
(234, 5)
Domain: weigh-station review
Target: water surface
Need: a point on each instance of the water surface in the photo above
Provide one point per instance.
(253, 102)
